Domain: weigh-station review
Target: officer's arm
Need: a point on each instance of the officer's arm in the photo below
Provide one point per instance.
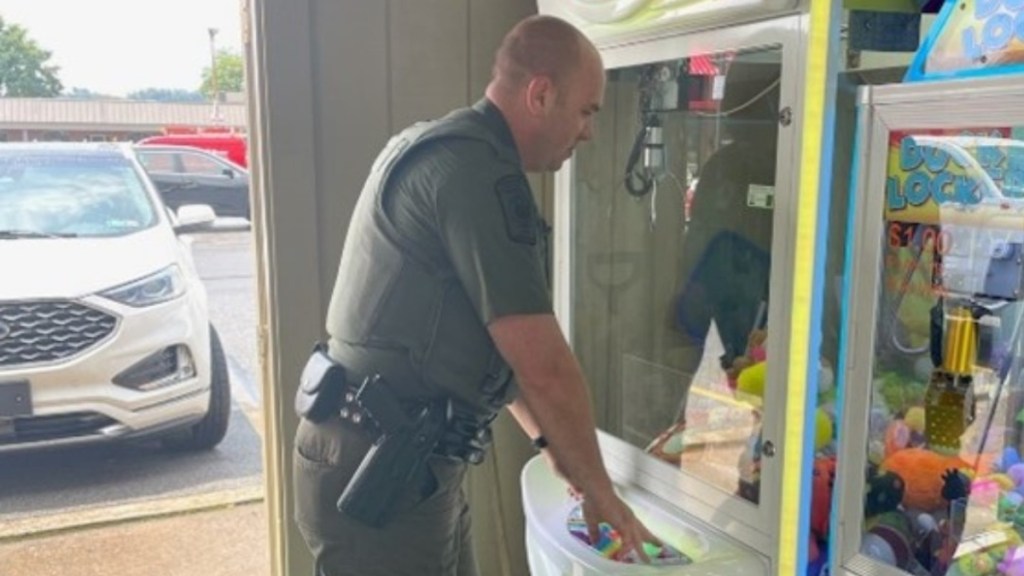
(528, 423)
(553, 390)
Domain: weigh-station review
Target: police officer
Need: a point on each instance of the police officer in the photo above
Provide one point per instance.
(443, 291)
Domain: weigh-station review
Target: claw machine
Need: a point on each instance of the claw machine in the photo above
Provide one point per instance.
(675, 254)
(931, 475)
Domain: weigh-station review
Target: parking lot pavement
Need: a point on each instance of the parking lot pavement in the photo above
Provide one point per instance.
(224, 541)
(135, 510)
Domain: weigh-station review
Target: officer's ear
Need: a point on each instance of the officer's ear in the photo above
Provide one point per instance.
(541, 95)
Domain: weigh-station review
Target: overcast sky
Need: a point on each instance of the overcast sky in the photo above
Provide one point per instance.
(119, 46)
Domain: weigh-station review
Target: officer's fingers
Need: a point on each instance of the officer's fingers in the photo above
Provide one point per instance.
(636, 543)
(594, 531)
(650, 537)
(590, 517)
(575, 493)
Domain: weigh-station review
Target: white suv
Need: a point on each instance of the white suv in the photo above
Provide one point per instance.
(104, 330)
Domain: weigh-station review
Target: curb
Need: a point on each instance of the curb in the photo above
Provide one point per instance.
(26, 528)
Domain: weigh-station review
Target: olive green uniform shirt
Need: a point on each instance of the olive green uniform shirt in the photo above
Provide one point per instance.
(445, 239)
(460, 208)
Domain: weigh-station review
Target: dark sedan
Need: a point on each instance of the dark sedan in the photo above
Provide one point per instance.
(186, 175)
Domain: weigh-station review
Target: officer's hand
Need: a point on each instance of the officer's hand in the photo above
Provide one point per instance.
(575, 492)
(611, 509)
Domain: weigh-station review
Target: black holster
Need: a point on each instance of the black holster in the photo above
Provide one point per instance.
(397, 459)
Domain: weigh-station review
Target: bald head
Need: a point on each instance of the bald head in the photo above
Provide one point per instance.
(548, 83)
(539, 46)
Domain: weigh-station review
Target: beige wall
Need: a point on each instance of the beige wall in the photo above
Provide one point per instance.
(332, 80)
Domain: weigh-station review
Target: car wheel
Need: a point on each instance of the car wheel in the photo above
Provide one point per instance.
(209, 431)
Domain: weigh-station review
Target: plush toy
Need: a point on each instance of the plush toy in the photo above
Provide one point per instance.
(1009, 458)
(750, 383)
(922, 473)
(823, 429)
(929, 540)
(885, 492)
(897, 437)
(984, 492)
(822, 482)
(817, 559)
(878, 423)
(888, 539)
(750, 388)
(1013, 562)
(1009, 503)
(956, 486)
(899, 393)
(750, 470)
(757, 345)
(756, 353)
(976, 564)
(914, 419)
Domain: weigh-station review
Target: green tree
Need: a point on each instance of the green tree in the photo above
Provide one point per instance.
(230, 74)
(24, 71)
(166, 95)
(79, 93)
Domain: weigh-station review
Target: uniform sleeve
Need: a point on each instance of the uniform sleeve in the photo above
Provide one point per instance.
(492, 232)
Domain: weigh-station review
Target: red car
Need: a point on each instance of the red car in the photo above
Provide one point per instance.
(232, 146)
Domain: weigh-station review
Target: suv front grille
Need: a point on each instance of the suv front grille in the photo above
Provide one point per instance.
(47, 331)
(58, 427)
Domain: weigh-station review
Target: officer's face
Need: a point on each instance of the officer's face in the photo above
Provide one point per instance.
(571, 120)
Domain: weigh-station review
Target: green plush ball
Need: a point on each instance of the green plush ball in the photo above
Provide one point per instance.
(823, 429)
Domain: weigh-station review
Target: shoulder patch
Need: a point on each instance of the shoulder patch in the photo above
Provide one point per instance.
(517, 206)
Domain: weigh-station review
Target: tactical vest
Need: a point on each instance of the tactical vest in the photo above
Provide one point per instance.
(411, 322)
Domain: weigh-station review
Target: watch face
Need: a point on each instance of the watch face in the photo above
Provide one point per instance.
(609, 544)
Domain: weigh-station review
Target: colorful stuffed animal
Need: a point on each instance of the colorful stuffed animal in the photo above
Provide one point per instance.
(885, 493)
(1013, 562)
(822, 482)
(922, 473)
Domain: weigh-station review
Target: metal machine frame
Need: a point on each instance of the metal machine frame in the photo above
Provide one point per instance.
(883, 109)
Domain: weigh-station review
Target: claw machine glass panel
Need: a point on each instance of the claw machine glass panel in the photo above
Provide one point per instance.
(672, 252)
(672, 263)
(934, 480)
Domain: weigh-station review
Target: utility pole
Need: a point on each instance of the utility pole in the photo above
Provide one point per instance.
(213, 74)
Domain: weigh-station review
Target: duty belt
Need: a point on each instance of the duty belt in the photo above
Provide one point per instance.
(466, 436)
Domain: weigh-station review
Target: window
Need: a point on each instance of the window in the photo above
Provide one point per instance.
(157, 161)
(55, 192)
(200, 165)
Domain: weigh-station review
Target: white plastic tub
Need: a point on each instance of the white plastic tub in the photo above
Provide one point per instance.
(553, 551)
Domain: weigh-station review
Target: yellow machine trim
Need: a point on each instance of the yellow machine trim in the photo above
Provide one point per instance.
(814, 117)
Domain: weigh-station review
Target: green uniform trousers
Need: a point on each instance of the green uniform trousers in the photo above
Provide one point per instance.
(428, 537)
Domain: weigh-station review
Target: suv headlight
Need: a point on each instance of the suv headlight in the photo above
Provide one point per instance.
(162, 286)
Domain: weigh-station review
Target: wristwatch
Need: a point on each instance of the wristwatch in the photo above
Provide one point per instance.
(540, 442)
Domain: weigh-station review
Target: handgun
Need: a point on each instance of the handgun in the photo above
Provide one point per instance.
(397, 459)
